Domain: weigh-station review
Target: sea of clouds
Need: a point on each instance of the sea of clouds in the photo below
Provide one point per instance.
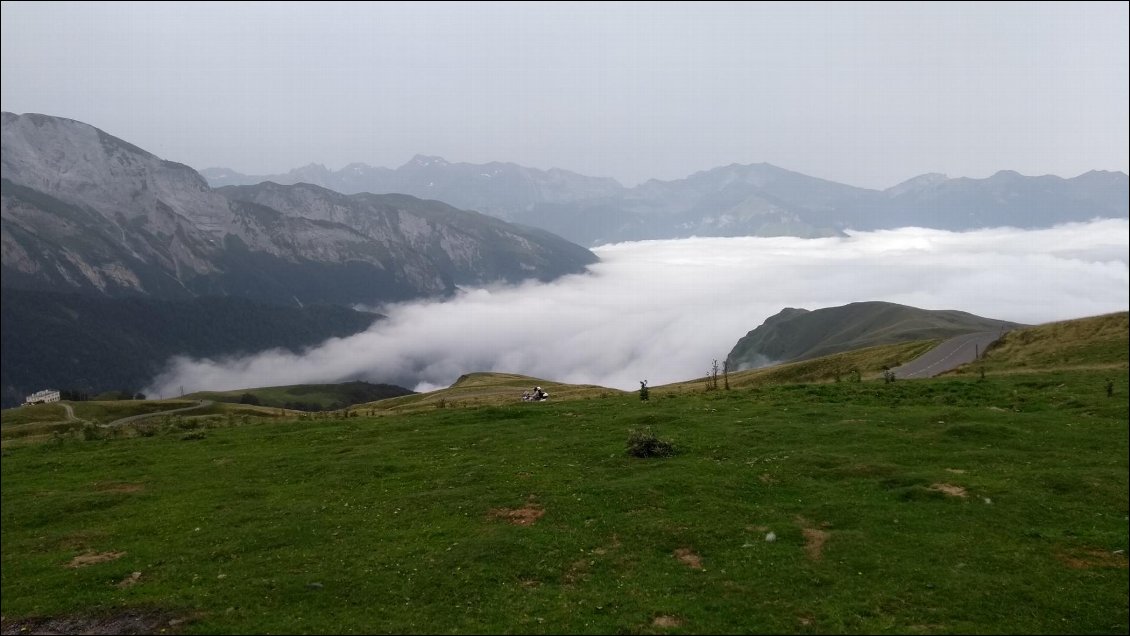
(662, 311)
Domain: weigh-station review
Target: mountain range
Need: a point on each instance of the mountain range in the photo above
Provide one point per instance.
(85, 211)
(115, 259)
(734, 200)
(86, 216)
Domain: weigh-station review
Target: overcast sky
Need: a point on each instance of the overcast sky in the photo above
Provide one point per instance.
(663, 310)
(864, 94)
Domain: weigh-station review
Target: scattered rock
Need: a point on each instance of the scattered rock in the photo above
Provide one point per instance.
(130, 580)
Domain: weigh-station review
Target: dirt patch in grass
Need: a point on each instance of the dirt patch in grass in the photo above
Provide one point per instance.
(602, 550)
(524, 516)
(130, 580)
(687, 557)
(956, 471)
(92, 558)
(814, 537)
(949, 489)
(578, 571)
(664, 620)
(814, 540)
(122, 622)
(1093, 558)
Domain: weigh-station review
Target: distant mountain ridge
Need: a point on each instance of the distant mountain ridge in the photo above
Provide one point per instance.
(502, 190)
(799, 334)
(86, 211)
(734, 200)
(137, 248)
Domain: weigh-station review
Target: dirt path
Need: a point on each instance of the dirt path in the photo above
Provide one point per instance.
(133, 418)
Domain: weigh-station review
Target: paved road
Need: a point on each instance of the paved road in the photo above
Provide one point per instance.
(133, 418)
(948, 355)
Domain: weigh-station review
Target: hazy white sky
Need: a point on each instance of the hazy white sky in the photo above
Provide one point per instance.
(663, 310)
(867, 94)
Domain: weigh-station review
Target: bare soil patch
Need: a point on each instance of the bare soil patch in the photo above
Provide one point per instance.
(122, 622)
(130, 580)
(524, 516)
(949, 489)
(814, 540)
(92, 558)
(1093, 558)
(578, 571)
(688, 558)
(666, 621)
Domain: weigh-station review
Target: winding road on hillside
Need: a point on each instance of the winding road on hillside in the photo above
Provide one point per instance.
(133, 418)
(948, 355)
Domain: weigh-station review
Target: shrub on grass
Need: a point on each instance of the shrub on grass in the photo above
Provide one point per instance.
(90, 432)
(643, 442)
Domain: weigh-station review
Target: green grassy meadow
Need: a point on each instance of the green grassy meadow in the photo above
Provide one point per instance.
(951, 505)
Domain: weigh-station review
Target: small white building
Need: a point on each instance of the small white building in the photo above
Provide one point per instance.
(42, 397)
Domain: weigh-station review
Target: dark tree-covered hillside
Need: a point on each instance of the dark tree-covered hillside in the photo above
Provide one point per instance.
(95, 344)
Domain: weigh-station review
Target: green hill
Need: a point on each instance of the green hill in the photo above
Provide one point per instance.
(799, 334)
(1096, 342)
(308, 397)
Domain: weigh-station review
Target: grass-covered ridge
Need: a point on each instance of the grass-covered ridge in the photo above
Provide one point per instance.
(952, 505)
(308, 397)
(1095, 342)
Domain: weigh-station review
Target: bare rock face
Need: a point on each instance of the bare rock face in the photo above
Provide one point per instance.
(84, 210)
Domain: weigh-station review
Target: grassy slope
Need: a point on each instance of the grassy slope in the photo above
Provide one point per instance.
(44, 422)
(1096, 342)
(328, 396)
(480, 389)
(870, 363)
(808, 335)
(403, 524)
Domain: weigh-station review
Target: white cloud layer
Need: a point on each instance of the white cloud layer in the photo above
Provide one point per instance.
(663, 310)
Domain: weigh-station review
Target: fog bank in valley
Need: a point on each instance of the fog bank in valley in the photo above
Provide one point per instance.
(663, 310)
